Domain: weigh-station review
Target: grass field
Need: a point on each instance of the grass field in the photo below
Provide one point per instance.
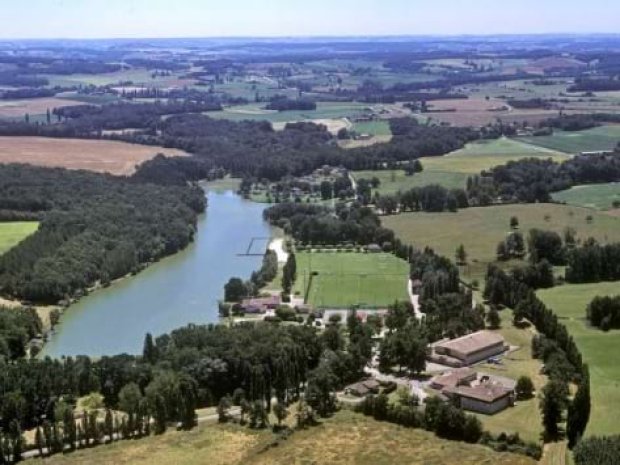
(598, 196)
(324, 110)
(600, 138)
(345, 439)
(481, 229)
(107, 156)
(376, 128)
(452, 170)
(346, 279)
(14, 232)
(598, 348)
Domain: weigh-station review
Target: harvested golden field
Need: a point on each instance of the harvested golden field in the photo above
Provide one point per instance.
(480, 112)
(34, 106)
(103, 156)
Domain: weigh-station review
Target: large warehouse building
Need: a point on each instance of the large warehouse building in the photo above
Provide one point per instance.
(468, 349)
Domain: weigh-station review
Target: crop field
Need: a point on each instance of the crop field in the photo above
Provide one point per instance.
(597, 196)
(452, 170)
(102, 156)
(480, 229)
(14, 232)
(477, 111)
(344, 279)
(599, 138)
(598, 348)
(17, 109)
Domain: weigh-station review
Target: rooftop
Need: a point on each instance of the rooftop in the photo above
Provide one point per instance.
(473, 342)
(487, 392)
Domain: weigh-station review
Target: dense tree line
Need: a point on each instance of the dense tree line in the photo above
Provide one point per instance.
(280, 103)
(93, 228)
(593, 262)
(27, 92)
(17, 327)
(555, 346)
(604, 312)
(595, 85)
(430, 198)
(533, 180)
(314, 224)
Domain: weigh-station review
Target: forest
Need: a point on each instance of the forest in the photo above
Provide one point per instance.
(94, 228)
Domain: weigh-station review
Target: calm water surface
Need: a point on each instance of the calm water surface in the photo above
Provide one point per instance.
(178, 290)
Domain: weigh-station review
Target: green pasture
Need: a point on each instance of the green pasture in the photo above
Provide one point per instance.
(598, 196)
(595, 139)
(598, 348)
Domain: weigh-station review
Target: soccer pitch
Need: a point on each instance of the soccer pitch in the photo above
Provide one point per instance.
(344, 279)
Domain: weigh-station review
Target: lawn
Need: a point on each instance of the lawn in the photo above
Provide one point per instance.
(599, 138)
(452, 170)
(346, 438)
(598, 196)
(344, 279)
(480, 229)
(13, 233)
(569, 302)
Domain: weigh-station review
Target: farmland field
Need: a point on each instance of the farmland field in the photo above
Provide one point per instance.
(480, 229)
(14, 232)
(598, 196)
(113, 157)
(452, 170)
(344, 439)
(600, 138)
(569, 302)
(17, 109)
(345, 279)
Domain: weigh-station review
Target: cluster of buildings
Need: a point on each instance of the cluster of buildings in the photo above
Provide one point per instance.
(475, 391)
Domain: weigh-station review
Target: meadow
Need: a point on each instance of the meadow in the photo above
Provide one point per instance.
(14, 232)
(597, 196)
(346, 438)
(595, 139)
(104, 156)
(452, 170)
(569, 302)
(344, 279)
(480, 229)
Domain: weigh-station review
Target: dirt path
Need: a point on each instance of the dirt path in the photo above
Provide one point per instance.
(415, 300)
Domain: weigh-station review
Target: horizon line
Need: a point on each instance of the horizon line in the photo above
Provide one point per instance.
(319, 36)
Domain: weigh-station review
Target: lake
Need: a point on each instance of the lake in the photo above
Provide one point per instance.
(181, 289)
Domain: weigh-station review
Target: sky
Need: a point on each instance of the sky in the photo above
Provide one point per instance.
(232, 18)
